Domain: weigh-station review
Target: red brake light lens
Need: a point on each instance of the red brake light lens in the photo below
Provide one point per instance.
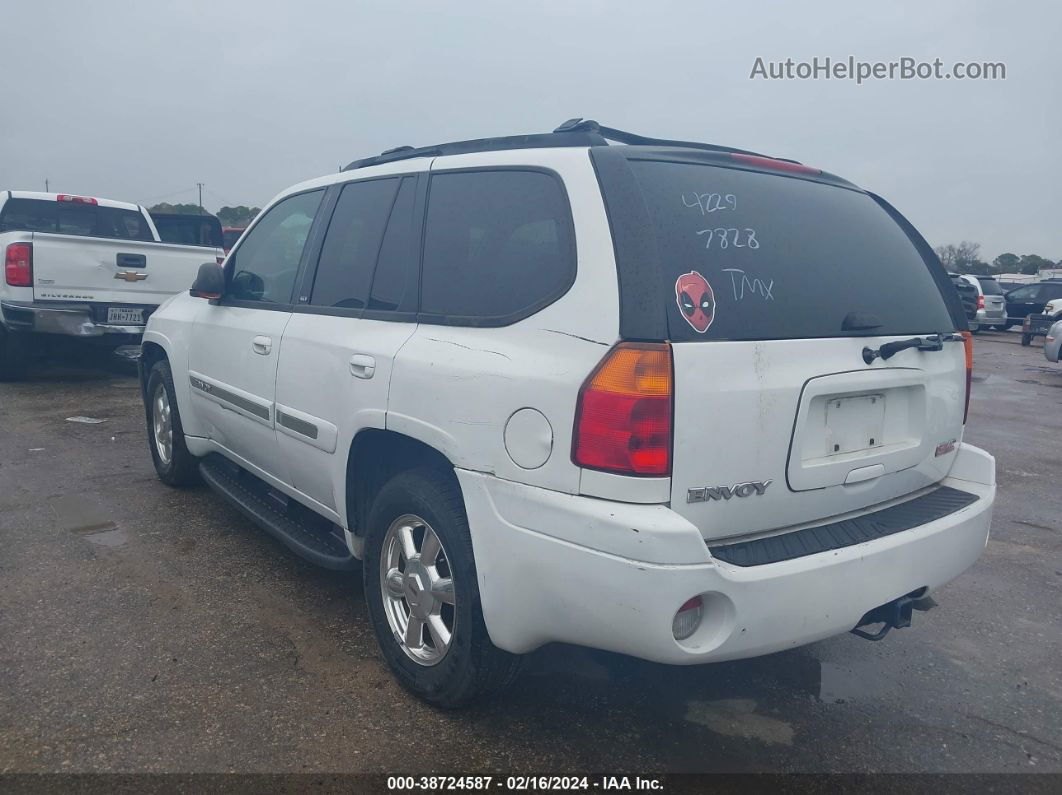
(18, 265)
(66, 197)
(773, 164)
(980, 302)
(967, 342)
(623, 417)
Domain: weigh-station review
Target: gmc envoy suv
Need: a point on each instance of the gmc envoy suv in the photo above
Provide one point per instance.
(668, 399)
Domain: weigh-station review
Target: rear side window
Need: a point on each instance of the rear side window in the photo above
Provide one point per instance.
(348, 255)
(498, 245)
(69, 218)
(753, 256)
(394, 282)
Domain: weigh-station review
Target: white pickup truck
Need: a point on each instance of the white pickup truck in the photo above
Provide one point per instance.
(82, 267)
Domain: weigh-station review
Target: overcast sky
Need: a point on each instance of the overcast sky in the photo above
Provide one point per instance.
(141, 100)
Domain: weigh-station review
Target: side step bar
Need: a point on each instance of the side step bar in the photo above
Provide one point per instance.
(321, 548)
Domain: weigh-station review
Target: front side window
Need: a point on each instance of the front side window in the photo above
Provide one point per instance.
(1023, 294)
(497, 244)
(266, 263)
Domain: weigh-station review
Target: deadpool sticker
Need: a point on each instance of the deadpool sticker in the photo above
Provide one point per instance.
(695, 300)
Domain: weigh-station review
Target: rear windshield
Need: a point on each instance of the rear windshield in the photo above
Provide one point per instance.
(70, 218)
(752, 256)
(990, 287)
(189, 230)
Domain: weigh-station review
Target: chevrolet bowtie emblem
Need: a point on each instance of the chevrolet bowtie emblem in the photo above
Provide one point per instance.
(130, 276)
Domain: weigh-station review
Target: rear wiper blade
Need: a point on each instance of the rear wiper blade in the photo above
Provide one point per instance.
(929, 343)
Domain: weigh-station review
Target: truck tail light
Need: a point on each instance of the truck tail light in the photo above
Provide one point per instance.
(18, 264)
(980, 302)
(623, 415)
(66, 197)
(967, 343)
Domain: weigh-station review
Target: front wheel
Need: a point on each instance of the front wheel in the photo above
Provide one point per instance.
(423, 595)
(1026, 340)
(173, 463)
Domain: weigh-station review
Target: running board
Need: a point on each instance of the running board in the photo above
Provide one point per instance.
(320, 548)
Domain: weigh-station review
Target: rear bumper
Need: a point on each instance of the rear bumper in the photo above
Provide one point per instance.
(68, 320)
(991, 316)
(537, 587)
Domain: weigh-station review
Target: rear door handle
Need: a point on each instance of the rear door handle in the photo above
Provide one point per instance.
(362, 366)
(262, 345)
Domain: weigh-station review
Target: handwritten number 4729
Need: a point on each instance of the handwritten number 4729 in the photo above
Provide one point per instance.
(727, 237)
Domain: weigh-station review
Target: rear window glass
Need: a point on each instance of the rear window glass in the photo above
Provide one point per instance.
(990, 287)
(752, 256)
(69, 218)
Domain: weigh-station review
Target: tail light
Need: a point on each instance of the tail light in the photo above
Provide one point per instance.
(967, 343)
(66, 197)
(773, 163)
(623, 416)
(980, 302)
(688, 618)
(18, 265)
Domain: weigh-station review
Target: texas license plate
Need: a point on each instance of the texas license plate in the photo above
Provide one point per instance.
(125, 315)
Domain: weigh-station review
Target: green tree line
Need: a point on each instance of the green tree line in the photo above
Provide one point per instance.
(238, 216)
(965, 257)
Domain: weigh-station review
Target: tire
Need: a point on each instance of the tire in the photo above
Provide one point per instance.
(14, 356)
(1026, 340)
(173, 463)
(469, 666)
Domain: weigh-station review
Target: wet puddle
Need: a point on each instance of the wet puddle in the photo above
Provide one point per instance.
(84, 517)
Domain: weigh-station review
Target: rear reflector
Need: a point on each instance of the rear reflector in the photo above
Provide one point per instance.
(688, 618)
(623, 416)
(775, 165)
(66, 197)
(967, 342)
(18, 265)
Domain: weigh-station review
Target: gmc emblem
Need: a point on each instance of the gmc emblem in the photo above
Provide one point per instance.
(705, 493)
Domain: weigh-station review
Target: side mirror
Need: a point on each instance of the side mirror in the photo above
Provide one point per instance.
(209, 282)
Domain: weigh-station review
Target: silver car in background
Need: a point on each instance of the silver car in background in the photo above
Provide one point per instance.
(1053, 341)
(991, 306)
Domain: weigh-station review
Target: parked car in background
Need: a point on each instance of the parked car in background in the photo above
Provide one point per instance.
(189, 230)
(82, 267)
(1038, 324)
(1030, 299)
(633, 448)
(229, 236)
(1053, 341)
(968, 294)
(991, 307)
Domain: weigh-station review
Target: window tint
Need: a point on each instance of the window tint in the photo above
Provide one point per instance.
(990, 287)
(69, 218)
(1050, 291)
(752, 256)
(393, 285)
(264, 266)
(497, 243)
(351, 244)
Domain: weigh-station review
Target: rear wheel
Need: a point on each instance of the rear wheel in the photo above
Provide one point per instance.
(173, 463)
(422, 592)
(1026, 340)
(14, 356)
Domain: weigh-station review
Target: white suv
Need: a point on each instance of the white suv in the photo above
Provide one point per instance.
(672, 400)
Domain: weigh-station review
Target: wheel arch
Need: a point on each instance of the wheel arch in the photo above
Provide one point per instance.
(375, 456)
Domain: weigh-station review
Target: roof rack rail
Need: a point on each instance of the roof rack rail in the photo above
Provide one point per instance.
(574, 132)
